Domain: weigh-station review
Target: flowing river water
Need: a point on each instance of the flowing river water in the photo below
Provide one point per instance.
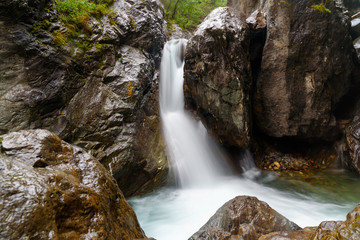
(205, 182)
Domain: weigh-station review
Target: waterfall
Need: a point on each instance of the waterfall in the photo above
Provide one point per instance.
(193, 157)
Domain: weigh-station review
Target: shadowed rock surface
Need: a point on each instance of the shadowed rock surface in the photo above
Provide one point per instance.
(53, 190)
(217, 76)
(244, 217)
(353, 145)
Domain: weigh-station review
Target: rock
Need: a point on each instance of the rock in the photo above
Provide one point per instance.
(147, 26)
(348, 229)
(302, 234)
(246, 7)
(244, 217)
(34, 80)
(91, 90)
(353, 145)
(305, 54)
(110, 116)
(355, 28)
(217, 76)
(352, 5)
(175, 32)
(22, 9)
(357, 46)
(53, 190)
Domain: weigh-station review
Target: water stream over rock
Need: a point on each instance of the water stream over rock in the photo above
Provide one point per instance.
(205, 182)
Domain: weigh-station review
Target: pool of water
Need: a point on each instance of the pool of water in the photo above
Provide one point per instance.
(177, 213)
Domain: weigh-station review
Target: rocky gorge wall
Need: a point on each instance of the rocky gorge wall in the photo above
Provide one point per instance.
(95, 86)
(298, 75)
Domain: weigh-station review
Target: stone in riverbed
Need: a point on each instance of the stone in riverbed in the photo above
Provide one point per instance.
(244, 217)
(53, 190)
(348, 229)
(217, 76)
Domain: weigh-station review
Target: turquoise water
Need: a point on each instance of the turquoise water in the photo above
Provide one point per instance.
(174, 213)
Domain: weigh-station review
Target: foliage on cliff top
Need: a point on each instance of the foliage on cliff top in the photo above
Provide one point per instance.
(78, 12)
(189, 13)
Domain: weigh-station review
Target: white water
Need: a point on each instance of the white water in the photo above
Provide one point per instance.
(177, 213)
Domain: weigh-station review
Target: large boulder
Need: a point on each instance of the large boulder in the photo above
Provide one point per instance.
(306, 68)
(305, 54)
(113, 114)
(244, 217)
(217, 77)
(53, 190)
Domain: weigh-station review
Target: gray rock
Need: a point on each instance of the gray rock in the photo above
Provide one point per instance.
(217, 77)
(305, 54)
(348, 229)
(244, 217)
(355, 28)
(357, 46)
(66, 194)
(107, 117)
(353, 145)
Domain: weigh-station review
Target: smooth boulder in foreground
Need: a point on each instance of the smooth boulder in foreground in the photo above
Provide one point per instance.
(50, 189)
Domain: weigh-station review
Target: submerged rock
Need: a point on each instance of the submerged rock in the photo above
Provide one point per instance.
(53, 190)
(217, 77)
(244, 217)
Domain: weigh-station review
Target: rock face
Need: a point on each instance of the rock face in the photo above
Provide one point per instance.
(53, 190)
(217, 76)
(92, 90)
(305, 54)
(348, 229)
(357, 46)
(355, 28)
(244, 217)
(353, 145)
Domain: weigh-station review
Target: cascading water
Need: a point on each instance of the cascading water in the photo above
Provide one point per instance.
(193, 157)
(177, 213)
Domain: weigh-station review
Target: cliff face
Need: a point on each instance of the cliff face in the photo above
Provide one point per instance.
(93, 82)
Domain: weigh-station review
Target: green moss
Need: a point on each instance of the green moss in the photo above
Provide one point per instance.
(285, 3)
(321, 8)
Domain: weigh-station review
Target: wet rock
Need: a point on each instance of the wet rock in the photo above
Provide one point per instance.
(302, 234)
(69, 195)
(357, 46)
(217, 77)
(147, 26)
(352, 5)
(348, 229)
(353, 145)
(244, 217)
(22, 9)
(34, 80)
(116, 117)
(305, 54)
(355, 28)
(91, 90)
(175, 32)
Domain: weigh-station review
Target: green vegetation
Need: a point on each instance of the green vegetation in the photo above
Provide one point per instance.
(189, 13)
(321, 7)
(75, 15)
